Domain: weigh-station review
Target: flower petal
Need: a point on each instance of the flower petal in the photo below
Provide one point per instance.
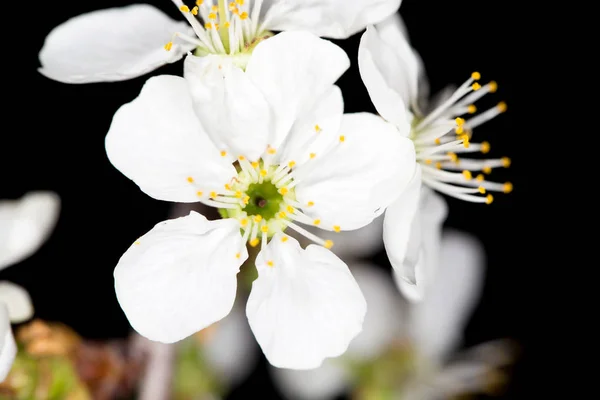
(17, 301)
(231, 108)
(8, 347)
(114, 44)
(293, 70)
(439, 320)
(328, 381)
(25, 224)
(337, 19)
(304, 306)
(366, 170)
(390, 70)
(180, 277)
(158, 142)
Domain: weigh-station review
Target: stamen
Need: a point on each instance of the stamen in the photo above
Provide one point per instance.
(325, 243)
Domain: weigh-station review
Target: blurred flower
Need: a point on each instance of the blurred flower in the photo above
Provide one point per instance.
(283, 155)
(404, 349)
(393, 74)
(25, 224)
(122, 43)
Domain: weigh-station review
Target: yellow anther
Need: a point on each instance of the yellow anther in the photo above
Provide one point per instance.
(199, 194)
(283, 191)
(184, 9)
(328, 244)
(438, 165)
(479, 178)
(312, 155)
(238, 255)
(428, 161)
(246, 199)
(487, 170)
(227, 24)
(505, 162)
(317, 128)
(212, 16)
(241, 158)
(254, 164)
(481, 189)
(263, 172)
(214, 8)
(208, 25)
(488, 199)
(195, 10)
(232, 6)
(264, 228)
(459, 121)
(213, 195)
(199, 2)
(271, 150)
(244, 15)
(217, 28)
(501, 106)
(190, 179)
(476, 86)
(310, 203)
(465, 139)
(290, 209)
(137, 242)
(437, 141)
(240, 2)
(507, 187)
(485, 147)
(493, 86)
(270, 263)
(342, 138)
(257, 218)
(227, 186)
(169, 46)
(476, 75)
(453, 156)
(337, 228)
(282, 214)
(238, 194)
(459, 130)
(223, 153)
(467, 174)
(284, 239)
(244, 221)
(291, 164)
(316, 222)
(254, 242)
(471, 109)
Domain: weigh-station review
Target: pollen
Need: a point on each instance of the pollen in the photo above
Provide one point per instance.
(437, 141)
(310, 203)
(264, 228)
(507, 187)
(257, 218)
(240, 2)
(263, 172)
(316, 222)
(501, 107)
(453, 156)
(438, 165)
(284, 239)
(337, 228)
(270, 263)
(184, 9)
(313, 155)
(195, 10)
(244, 221)
(215, 8)
(467, 174)
(328, 244)
(241, 158)
(481, 189)
(137, 243)
(208, 25)
(342, 138)
(459, 130)
(283, 191)
(244, 15)
(466, 142)
(476, 75)
(238, 255)
(485, 147)
(199, 2)
(271, 150)
(428, 161)
(190, 179)
(238, 194)
(487, 170)
(476, 86)
(290, 209)
(169, 46)
(291, 164)
(246, 199)
(227, 24)
(505, 162)
(479, 178)
(282, 214)
(472, 109)
(493, 86)
(317, 128)
(489, 199)
(223, 153)
(459, 121)
(254, 242)
(227, 186)
(213, 195)
(254, 164)
(199, 194)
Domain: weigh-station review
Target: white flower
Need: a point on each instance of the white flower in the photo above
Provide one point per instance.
(278, 155)
(391, 70)
(423, 334)
(25, 224)
(122, 43)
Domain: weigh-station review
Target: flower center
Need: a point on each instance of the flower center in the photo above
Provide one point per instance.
(264, 200)
(443, 134)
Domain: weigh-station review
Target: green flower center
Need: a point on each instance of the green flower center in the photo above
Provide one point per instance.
(264, 200)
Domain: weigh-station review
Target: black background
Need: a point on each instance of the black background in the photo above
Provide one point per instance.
(56, 142)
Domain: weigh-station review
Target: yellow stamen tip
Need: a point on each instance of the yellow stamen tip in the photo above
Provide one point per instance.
(241, 158)
(283, 191)
(317, 128)
(184, 9)
(485, 147)
(271, 150)
(227, 186)
(244, 221)
(316, 221)
(199, 194)
(213, 194)
(476, 75)
(476, 86)
(291, 164)
(282, 214)
(312, 155)
(254, 242)
(227, 24)
(215, 8)
(467, 174)
(328, 244)
(471, 109)
(137, 243)
(195, 10)
(190, 179)
(169, 46)
(199, 2)
(208, 25)
(310, 203)
(284, 239)
(487, 170)
(270, 263)
(223, 153)
(493, 86)
(342, 138)
(507, 187)
(438, 165)
(453, 156)
(238, 255)
(244, 15)
(459, 121)
(264, 228)
(480, 178)
(290, 209)
(263, 172)
(428, 161)
(481, 189)
(437, 141)
(246, 199)
(501, 107)
(465, 140)
(238, 194)
(212, 16)
(489, 199)
(258, 218)
(459, 130)
(337, 228)
(505, 162)
(254, 164)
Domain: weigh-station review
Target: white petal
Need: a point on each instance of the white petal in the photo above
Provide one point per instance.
(8, 347)
(180, 277)
(331, 379)
(25, 224)
(230, 349)
(337, 19)
(231, 108)
(17, 301)
(158, 142)
(112, 45)
(385, 316)
(293, 70)
(439, 320)
(304, 308)
(389, 69)
(360, 176)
